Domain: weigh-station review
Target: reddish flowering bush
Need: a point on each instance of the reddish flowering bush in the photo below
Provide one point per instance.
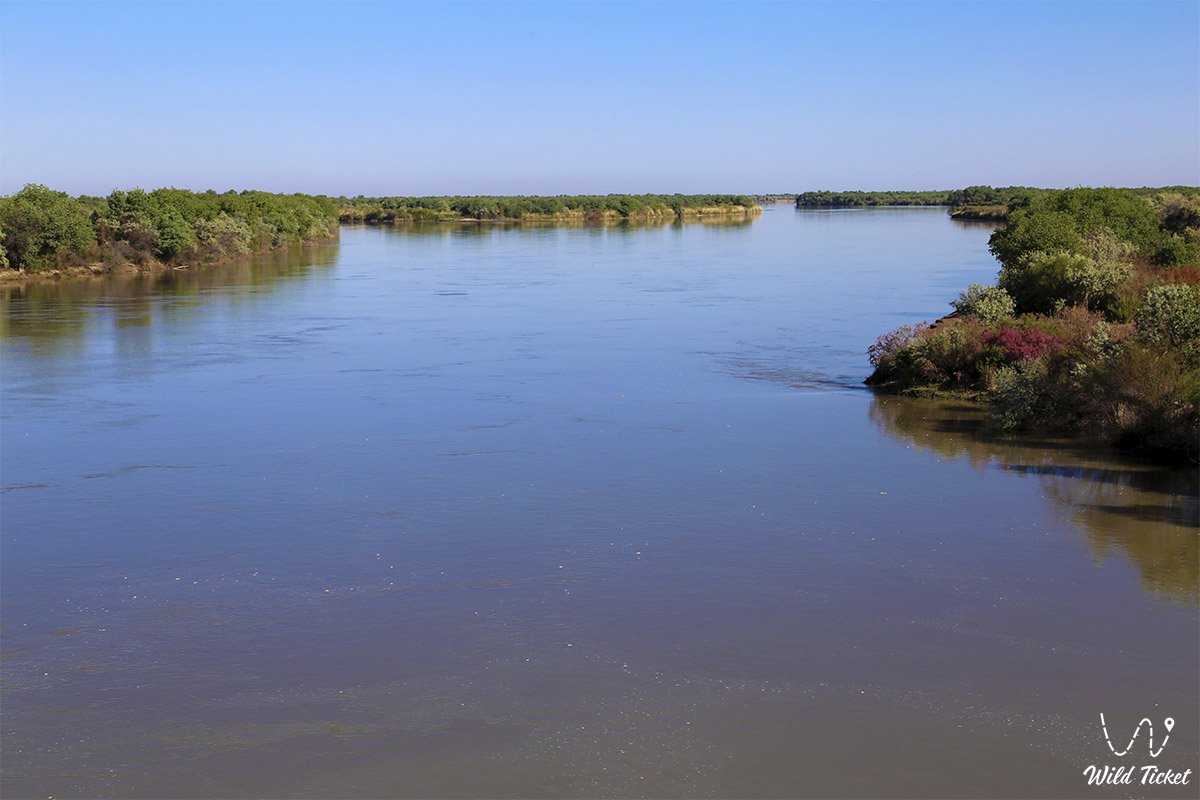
(889, 344)
(1022, 345)
(928, 356)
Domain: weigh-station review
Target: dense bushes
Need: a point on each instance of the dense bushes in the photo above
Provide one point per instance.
(988, 303)
(623, 206)
(1064, 221)
(1178, 207)
(1095, 325)
(42, 229)
(971, 196)
(827, 199)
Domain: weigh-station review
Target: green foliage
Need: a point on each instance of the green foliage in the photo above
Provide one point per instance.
(1041, 282)
(951, 355)
(1071, 370)
(1029, 231)
(1170, 317)
(1103, 343)
(971, 196)
(988, 303)
(223, 235)
(1054, 221)
(44, 228)
(1180, 212)
(621, 206)
(1095, 284)
(1018, 395)
(1148, 398)
(827, 199)
(1077, 264)
(175, 234)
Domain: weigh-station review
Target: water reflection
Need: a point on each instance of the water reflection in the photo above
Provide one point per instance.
(57, 317)
(1147, 514)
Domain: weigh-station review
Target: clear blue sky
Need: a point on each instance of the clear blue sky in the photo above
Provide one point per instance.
(509, 98)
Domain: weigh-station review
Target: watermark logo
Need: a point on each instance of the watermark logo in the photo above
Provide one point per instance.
(1168, 723)
(1146, 775)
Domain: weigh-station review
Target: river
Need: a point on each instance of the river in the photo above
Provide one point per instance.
(535, 511)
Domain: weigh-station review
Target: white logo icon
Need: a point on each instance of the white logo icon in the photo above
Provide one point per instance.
(1168, 723)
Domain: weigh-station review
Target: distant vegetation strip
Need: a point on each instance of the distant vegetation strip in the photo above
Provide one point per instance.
(827, 199)
(611, 207)
(973, 202)
(45, 231)
(1093, 325)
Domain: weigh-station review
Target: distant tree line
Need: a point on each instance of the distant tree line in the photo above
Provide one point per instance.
(970, 196)
(624, 206)
(42, 229)
(828, 199)
(973, 202)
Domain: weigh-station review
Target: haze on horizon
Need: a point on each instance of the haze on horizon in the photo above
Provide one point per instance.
(515, 98)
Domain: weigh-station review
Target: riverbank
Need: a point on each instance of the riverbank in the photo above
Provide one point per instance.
(573, 217)
(984, 213)
(1093, 326)
(51, 235)
(563, 208)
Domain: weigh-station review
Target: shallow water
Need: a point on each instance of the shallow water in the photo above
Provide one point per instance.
(535, 511)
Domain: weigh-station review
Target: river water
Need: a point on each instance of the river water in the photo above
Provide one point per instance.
(502, 511)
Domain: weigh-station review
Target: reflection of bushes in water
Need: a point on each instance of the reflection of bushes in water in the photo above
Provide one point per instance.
(51, 314)
(1149, 514)
(946, 428)
(1157, 534)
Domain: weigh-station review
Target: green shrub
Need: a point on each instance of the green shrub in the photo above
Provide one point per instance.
(223, 235)
(175, 233)
(44, 228)
(988, 303)
(1180, 213)
(1170, 316)
(1065, 220)
(1096, 282)
(1148, 398)
(1052, 346)
(1103, 343)
(1030, 230)
(1041, 282)
(1018, 395)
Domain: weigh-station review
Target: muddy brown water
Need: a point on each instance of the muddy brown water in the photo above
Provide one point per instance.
(477, 511)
